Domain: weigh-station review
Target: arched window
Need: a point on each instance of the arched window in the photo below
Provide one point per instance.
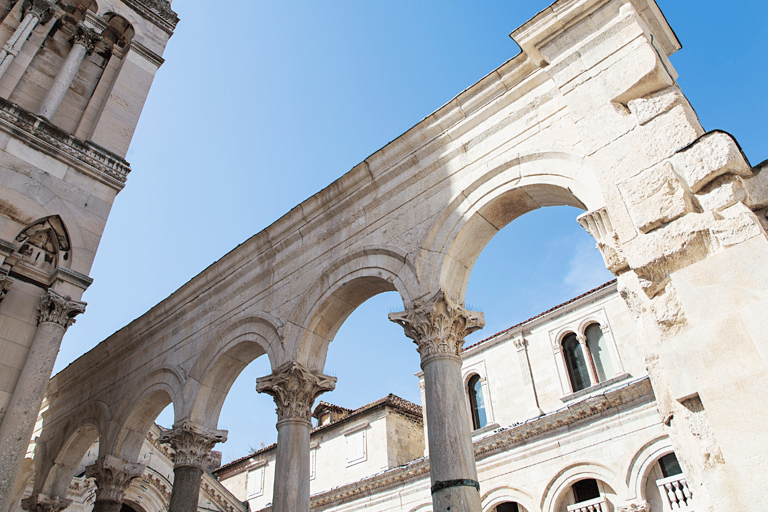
(598, 350)
(585, 490)
(477, 403)
(509, 506)
(574, 360)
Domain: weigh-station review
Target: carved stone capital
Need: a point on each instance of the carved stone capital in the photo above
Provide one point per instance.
(87, 37)
(113, 476)
(58, 309)
(5, 284)
(44, 503)
(43, 9)
(192, 444)
(520, 343)
(438, 325)
(581, 339)
(294, 389)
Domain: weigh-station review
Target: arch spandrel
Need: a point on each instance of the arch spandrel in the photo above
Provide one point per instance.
(240, 340)
(510, 188)
(338, 291)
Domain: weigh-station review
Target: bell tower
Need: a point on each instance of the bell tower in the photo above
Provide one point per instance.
(74, 76)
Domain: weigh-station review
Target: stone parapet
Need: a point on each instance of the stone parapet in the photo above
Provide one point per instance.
(43, 136)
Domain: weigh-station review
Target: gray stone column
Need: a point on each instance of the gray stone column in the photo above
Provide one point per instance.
(83, 43)
(44, 503)
(294, 389)
(35, 11)
(521, 344)
(587, 358)
(55, 314)
(192, 445)
(438, 325)
(113, 476)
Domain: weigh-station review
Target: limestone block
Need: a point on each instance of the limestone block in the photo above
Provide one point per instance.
(738, 225)
(757, 187)
(655, 104)
(723, 192)
(712, 155)
(656, 197)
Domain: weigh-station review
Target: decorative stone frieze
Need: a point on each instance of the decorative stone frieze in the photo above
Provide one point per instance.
(42, 9)
(43, 136)
(192, 444)
(58, 309)
(438, 325)
(642, 506)
(159, 484)
(113, 476)
(295, 389)
(158, 12)
(44, 503)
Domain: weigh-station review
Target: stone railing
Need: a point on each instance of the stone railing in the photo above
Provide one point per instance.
(51, 140)
(595, 505)
(675, 493)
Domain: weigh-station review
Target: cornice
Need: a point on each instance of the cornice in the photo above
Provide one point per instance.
(159, 12)
(85, 156)
(146, 53)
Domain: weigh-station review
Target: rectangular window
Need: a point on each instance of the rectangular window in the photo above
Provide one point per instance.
(255, 482)
(312, 462)
(356, 447)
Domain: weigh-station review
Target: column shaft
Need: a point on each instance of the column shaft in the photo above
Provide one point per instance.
(186, 489)
(451, 455)
(587, 359)
(17, 40)
(291, 490)
(63, 80)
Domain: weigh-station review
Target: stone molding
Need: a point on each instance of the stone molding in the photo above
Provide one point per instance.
(42, 9)
(44, 503)
(59, 309)
(295, 389)
(43, 136)
(159, 485)
(113, 476)
(147, 54)
(500, 441)
(438, 325)
(73, 277)
(87, 37)
(192, 444)
(214, 490)
(159, 12)
(642, 506)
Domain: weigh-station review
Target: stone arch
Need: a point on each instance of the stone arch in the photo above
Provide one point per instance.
(244, 338)
(556, 489)
(512, 187)
(66, 448)
(45, 244)
(640, 466)
(506, 493)
(340, 289)
(133, 420)
(119, 30)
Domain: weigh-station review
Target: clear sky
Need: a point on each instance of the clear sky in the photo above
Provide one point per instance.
(262, 104)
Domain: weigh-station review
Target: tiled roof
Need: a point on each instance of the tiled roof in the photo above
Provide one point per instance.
(550, 310)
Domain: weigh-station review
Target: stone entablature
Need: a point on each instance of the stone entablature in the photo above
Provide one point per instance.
(158, 12)
(85, 156)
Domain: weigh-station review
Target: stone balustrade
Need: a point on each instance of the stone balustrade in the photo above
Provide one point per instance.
(595, 505)
(675, 493)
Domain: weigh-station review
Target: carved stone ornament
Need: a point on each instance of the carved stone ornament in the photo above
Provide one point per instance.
(43, 9)
(438, 325)
(59, 309)
(642, 506)
(520, 343)
(44, 503)
(113, 476)
(192, 444)
(294, 389)
(5, 284)
(86, 36)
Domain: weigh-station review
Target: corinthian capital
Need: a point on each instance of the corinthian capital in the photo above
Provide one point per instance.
(294, 389)
(43, 9)
(58, 309)
(113, 476)
(5, 284)
(86, 36)
(438, 325)
(44, 503)
(192, 443)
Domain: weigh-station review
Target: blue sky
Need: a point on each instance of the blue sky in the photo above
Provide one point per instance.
(262, 104)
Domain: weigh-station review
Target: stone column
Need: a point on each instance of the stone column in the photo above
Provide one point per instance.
(35, 11)
(587, 358)
(192, 444)
(113, 476)
(44, 503)
(55, 314)
(83, 43)
(294, 389)
(438, 326)
(521, 344)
